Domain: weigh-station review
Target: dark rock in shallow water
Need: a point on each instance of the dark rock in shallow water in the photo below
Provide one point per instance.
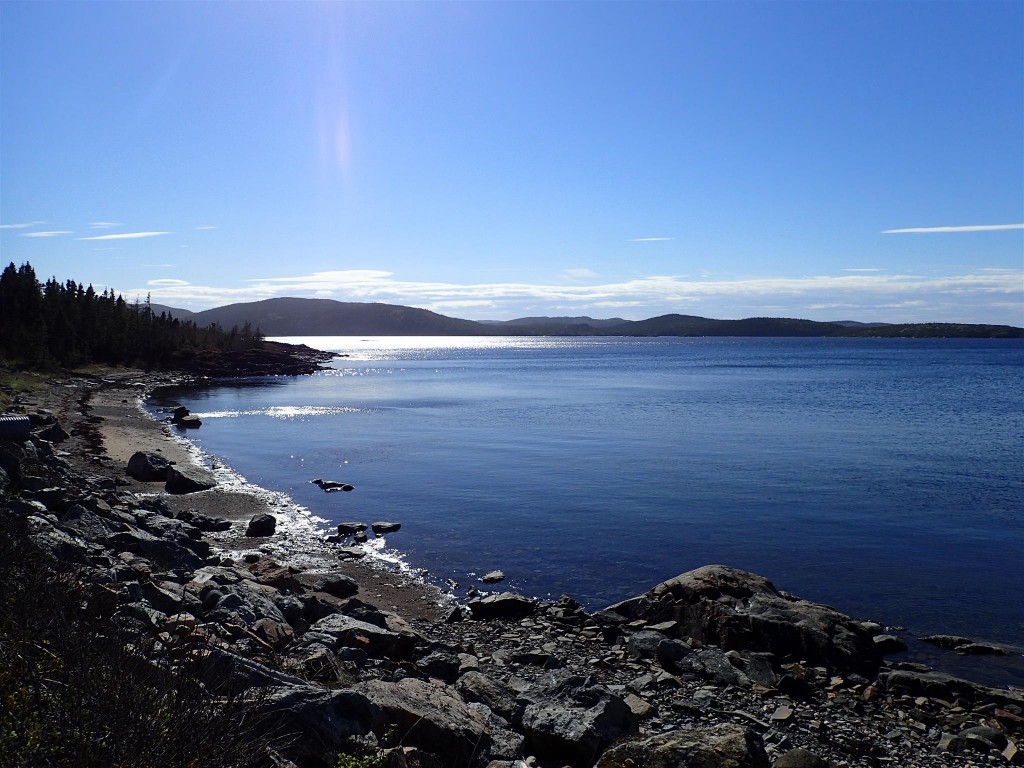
(188, 480)
(262, 524)
(887, 644)
(947, 641)
(385, 527)
(332, 485)
(736, 610)
(148, 467)
(719, 746)
(347, 529)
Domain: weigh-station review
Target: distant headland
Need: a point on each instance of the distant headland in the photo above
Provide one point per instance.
(326, 317)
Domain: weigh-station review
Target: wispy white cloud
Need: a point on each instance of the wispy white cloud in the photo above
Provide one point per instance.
(24, 225)
(126, 236)
(51, 233)
(161, 266)
(208, 226)
(651, 239)
(105, 224)
(971, 228)
(943, 297)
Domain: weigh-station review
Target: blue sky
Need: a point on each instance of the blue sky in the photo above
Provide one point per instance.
(493, 160)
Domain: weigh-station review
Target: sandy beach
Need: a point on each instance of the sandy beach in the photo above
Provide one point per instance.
(104, 414)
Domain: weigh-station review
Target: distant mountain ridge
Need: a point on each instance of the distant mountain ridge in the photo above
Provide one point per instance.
(327, 317)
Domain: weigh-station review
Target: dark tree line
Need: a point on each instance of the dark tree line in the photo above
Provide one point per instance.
(70, 324)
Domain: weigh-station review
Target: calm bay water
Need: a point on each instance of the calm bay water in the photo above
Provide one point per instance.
(885, 477)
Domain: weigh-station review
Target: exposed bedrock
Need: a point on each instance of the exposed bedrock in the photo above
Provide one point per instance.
(737, 610)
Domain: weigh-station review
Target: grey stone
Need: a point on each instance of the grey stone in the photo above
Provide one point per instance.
(737, 610)
(505, 605)
(336, 584)
(711, 664)
(572, 719)
(432, 718)
(181, 480)
(320, 721)
(478, 687)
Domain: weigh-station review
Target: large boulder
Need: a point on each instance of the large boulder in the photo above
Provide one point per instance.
(572, 719)
(720, 746)
(505, 605)
(433, 718)
(148, 467)
(737, 610)
(340, 631)
(188, 480)
(316, 722)
(262, 524)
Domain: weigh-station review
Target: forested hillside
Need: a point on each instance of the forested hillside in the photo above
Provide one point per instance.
(69, 324)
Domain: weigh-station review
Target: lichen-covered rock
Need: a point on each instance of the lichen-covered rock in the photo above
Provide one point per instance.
(720, 746)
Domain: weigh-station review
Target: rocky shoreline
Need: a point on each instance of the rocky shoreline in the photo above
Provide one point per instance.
(713, 668)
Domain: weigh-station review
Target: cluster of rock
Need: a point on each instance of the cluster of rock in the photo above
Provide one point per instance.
(270, 359)
(714, 668)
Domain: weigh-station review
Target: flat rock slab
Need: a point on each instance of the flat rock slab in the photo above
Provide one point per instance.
(189, 480)
(721, 746)
(503, 606)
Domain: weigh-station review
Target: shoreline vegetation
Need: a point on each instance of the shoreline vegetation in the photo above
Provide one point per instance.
(249, 646)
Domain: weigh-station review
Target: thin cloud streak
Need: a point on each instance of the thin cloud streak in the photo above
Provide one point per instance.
(125, 236)
(53, 233)
(105, 224)
(24, 225)
(651, 239)
(973, 228)
(652, 295)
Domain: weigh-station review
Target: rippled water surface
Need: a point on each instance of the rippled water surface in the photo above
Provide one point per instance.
(885, 477)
